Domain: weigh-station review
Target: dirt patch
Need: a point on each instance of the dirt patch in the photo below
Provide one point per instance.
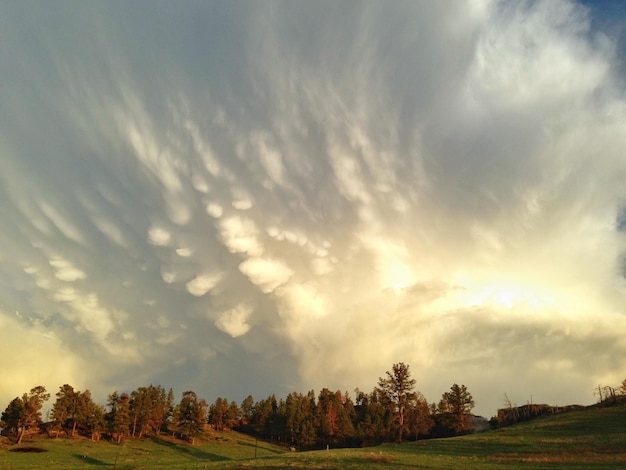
(379, 458)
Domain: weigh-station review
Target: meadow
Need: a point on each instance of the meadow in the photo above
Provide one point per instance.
(584, 439)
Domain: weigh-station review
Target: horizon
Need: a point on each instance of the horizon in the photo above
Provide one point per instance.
(267, 197)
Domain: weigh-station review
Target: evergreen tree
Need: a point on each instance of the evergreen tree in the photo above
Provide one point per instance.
(67, 409)
(94, 416)
(160, 408)
(397, 389)
(247, 406)
(191, 415)
(218, 414)
(373, 418)
(335, 425)
(456, 407)
(300, 419)
(142, 404)
(419, 418)
(119, 415)
(24, 413)
(233, 415)
(13, 417)
(264, 417)
(168, 409)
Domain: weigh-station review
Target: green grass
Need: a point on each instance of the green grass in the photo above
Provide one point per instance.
(585, 439)
(148, 453)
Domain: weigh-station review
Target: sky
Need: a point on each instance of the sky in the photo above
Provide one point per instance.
(263, 197)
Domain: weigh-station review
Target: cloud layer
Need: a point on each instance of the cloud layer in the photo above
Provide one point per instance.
(264, 197)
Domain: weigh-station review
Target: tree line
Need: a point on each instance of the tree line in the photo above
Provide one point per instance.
(392, 411)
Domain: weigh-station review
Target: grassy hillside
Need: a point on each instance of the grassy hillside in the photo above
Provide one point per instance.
(162, 452)
(591, 438)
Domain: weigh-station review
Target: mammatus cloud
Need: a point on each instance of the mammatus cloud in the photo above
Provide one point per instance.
(260, 198)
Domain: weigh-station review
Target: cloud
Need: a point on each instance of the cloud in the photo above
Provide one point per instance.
(203, 283)
(292, 196)
(240, 235)
(41, 352)
(65, 270)
(159, 236)
(234, 321)
(267, 274)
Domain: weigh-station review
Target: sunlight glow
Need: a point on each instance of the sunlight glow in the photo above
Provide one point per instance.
(510, 296)
(399, 276)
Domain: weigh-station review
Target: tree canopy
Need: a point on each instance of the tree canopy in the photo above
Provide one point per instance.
(393, 411)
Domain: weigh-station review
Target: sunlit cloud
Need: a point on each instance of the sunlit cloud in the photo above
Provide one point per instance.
(314, 192)
(234, 322)
(203, 283)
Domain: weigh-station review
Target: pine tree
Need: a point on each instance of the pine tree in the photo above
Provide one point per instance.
(247, 406)
(419, 418)
(24, 413)
(233, 415)
(218, 413)
(67, 409)
(191, 415)
(12, 418)
(456, 408)
(373, 417)
(119, 415)
(94, 418)
(397, 389)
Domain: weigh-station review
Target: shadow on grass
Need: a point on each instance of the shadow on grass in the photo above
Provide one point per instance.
(91, 461)
(28, 449)
(189, 450)
(245, 442)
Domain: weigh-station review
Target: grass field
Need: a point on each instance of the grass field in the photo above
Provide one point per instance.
(586, 439)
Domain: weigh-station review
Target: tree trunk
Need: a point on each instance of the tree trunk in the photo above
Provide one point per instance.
(74, 429)
(20, 435)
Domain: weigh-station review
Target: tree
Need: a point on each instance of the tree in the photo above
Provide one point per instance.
(33, 402)
(335, 425)
(223, 414)
(264, 417)
(456, 407)
(12, 418)
(218, 412)
(419, 418)
(397, 389)
(373, 417)
(66, 409)
(168, 410)
(25, 412)
(119, 419)
(247, 406)
(162, 406)
(150, 408)
(233, 415)
(93, 416)
(300, 419)
(191, 415)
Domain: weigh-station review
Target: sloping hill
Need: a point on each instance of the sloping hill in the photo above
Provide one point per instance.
(587, 438)
(582, 439)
